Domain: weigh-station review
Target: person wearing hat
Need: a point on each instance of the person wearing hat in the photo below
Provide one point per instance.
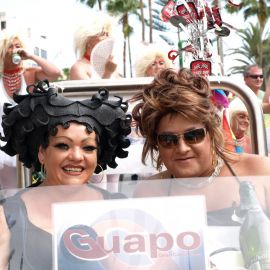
(64, 142)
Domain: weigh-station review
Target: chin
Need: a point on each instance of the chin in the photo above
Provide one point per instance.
(71, 182)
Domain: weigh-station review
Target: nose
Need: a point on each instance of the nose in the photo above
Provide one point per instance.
(246, 119)
(182, 146)
(75, 154)
(246, 122)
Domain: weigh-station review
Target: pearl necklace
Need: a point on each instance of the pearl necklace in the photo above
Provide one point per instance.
(194, 184)
(12, 81)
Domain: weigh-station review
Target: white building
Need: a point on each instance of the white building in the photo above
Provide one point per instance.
(37, 39)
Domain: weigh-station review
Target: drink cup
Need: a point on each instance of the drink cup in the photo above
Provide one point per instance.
(16, 58)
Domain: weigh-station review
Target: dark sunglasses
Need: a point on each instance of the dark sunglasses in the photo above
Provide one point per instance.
(190, 137)
(254, 76)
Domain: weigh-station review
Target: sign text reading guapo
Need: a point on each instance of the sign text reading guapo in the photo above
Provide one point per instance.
(82, 242)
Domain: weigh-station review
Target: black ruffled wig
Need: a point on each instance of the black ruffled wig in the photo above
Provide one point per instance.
(28, 124)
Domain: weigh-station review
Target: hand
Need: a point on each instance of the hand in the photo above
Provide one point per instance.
(110, 67)
(23, 53)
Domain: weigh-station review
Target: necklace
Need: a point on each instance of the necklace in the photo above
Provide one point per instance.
(86, 56)
(194, 184)
(12, 81)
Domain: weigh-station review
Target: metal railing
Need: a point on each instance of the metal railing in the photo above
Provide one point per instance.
(126, 88)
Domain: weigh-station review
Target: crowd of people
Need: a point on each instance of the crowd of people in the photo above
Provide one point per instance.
(17, 77)
(153, 58)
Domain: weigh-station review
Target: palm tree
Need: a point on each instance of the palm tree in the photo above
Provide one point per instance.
(251, 50)
(150, 21)
(142, 20)
(259, 8)
(124, 9)
(252, 8)
(158, 24)
(92, 3)
(66, 72)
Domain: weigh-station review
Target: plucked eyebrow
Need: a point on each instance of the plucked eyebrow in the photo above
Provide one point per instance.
(69, 139)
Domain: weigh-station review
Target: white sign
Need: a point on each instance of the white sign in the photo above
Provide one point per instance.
(150, 233)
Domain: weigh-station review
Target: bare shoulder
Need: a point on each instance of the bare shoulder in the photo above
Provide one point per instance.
(250, 164)
(77, 65)
(80, 71)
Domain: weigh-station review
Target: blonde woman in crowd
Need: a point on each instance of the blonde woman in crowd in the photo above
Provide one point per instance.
(239, 123)
(15, 74)
(86, 37)
(152, 59)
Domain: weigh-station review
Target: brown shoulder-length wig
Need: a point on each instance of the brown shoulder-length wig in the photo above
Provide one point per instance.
(176, 92)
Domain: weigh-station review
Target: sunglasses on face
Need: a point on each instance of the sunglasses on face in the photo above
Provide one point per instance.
(190, 137)
(254, 76)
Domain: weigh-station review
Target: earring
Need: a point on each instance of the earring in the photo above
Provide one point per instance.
(43, 171)
(214, 156)
(160, 167)
(36, 177)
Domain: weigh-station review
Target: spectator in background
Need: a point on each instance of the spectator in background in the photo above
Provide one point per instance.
(152, 59)
(253, 77)
(14, 77)
(239, 122)
(266, 98)
(266, 101)
(86, 37)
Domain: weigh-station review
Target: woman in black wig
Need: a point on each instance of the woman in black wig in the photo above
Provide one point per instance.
(64, 142)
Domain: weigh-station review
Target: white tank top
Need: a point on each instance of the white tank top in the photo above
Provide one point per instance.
(5, 98)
